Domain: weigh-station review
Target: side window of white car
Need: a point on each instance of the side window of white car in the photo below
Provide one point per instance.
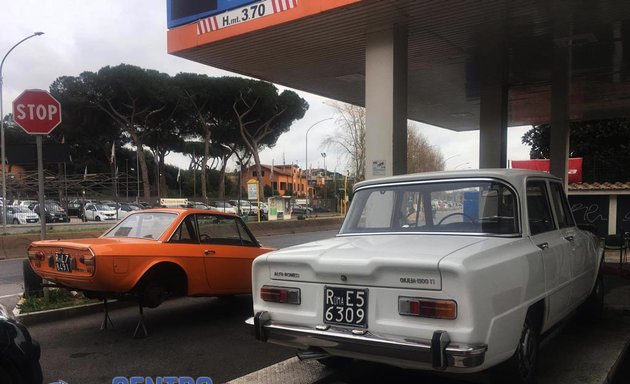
(538, 209)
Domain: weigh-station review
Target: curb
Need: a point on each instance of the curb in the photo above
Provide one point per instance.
(616, 368)
(64, 313)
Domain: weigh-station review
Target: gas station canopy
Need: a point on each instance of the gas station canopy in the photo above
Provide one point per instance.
(319, 46)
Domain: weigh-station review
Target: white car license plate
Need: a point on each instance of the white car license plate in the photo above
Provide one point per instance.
(63, 262)
(344, 306)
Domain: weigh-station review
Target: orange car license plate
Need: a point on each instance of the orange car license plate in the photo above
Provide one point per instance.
(63, 262)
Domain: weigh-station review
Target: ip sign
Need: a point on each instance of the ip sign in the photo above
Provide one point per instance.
(37, 112)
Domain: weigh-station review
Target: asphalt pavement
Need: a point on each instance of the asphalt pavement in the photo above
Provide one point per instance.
(207, 337)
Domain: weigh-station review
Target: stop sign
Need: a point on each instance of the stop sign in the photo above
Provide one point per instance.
(37, 112)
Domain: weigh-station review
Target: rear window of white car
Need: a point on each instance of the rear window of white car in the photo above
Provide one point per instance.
(469, 206)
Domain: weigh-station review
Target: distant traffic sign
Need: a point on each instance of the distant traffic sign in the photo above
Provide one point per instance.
(36, 112)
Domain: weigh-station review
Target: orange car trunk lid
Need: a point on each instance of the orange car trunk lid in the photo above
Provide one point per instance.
(63, 257)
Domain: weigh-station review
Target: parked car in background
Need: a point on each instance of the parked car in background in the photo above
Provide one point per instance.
(197, 205)
(98, 212)
(262, 206)
(297, 209)
(125, 209)
(53, 213)
(75, 208)
(26, 203)
(245, 206)
(459, 290)
(21, 215)
(153, 254)
(223, 206)
(19, 353)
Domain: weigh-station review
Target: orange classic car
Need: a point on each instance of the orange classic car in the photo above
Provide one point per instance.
(154, 254)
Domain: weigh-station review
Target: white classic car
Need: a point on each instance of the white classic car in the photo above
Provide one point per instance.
(463, 287)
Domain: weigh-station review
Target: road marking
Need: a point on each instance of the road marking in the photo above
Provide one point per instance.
(291, 371)
(12, 295)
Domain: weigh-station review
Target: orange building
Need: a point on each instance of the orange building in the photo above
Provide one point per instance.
(284, 180)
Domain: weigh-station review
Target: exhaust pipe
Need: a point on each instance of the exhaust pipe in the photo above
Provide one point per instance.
(311, 354)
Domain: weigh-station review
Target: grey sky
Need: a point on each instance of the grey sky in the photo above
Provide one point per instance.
(86, 35)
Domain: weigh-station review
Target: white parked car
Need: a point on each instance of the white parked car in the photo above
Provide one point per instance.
(18, 214)
(124, 209)
(460, 290)
(245, 206)
(99, 212)
(262, 207)
(223, 206)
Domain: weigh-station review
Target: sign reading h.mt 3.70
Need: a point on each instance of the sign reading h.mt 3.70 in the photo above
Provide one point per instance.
(37, 112)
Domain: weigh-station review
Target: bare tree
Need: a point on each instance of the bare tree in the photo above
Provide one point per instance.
(421, 156)
(350, 140)
(349, 137)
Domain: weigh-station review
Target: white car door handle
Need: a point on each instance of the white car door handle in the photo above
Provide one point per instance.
(569, 238)
(543, 246)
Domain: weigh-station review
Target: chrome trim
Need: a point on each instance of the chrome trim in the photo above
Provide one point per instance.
(344, 341)
(478, 234)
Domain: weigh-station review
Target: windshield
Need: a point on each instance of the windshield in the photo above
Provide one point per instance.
(149, 225)
(53, 207)
(468, 206)
(103, 207)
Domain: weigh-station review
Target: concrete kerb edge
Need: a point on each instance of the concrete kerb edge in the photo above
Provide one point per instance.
(617, 365)
(63, 313)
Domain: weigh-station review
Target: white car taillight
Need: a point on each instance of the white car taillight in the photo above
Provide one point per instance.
(422, 307)
(280, 294)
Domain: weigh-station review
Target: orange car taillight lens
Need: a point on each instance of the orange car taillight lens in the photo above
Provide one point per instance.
(36, 255)
(422, 307)
(88, 260)
(280, 295)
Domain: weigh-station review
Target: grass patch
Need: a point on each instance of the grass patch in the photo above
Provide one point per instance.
(57, 298)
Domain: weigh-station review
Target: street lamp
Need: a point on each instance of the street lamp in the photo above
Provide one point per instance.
(306, 154)
(448, 158)
(459, 165)
(2, 144)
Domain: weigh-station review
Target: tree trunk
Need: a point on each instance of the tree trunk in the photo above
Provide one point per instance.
(261, 189)
(146, 187)
(204, 164)
(222, 181)
(163, 187)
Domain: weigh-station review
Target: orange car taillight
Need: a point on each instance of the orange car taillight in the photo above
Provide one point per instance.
(280, 294)
(36, 255)
(90, 263)
(422, 307)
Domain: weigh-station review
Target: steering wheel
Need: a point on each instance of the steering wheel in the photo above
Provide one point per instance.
(454, 214)
(204, 238)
